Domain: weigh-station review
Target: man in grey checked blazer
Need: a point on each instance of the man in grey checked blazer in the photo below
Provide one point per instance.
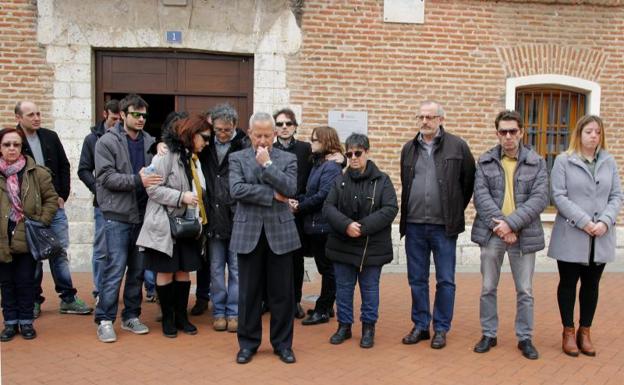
(262, 178)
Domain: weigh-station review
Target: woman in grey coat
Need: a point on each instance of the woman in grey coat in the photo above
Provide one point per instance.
(585, 188)
(182, 190)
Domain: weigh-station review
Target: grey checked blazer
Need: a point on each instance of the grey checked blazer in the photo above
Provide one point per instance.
(253, 188)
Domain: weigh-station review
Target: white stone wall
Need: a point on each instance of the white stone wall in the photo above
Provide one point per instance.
(70, 31)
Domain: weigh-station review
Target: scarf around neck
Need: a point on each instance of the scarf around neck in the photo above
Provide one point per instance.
(10, 171)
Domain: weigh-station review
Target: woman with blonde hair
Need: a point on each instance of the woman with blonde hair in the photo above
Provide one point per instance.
(586, 191)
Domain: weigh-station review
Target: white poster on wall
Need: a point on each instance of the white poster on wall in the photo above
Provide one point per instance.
(404, 11)
(348, 122)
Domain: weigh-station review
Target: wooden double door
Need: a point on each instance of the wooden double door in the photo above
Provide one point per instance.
(175, 81)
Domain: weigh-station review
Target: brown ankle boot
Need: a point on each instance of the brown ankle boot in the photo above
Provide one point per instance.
(583, 341)
(568, 343)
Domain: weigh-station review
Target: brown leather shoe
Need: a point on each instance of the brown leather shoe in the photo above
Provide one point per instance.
(583, 341)
(219, 324)
(232, 324)
(568, 343)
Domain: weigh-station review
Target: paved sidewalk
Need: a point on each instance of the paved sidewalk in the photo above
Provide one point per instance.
(67, 351)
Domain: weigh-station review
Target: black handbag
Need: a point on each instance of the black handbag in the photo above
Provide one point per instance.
(43, 243)
(185, 227)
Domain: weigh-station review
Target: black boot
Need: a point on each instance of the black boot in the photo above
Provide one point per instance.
(165, 295)
(343, 333)
(182, 289)
(368, 336)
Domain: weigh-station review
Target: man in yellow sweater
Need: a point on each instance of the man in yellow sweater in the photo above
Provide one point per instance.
(511, 191)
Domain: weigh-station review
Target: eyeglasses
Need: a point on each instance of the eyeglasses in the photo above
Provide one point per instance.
(428, 117)
(11, 144)
(511, 132)
(314, 140)
(281, 124)
(224, 130)
(205, 136)
(349, 154)
(138, 115)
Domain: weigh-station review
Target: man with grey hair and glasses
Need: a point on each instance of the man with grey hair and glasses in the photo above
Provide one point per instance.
(437, 176)
(264, 235)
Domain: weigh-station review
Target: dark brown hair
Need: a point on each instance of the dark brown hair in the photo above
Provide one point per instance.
(9, 130)
(289, 114)
(508, 115)
(185, 129)
(328, 137)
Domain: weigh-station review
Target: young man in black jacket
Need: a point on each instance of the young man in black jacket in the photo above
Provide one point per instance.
(86, 173)
(286, 127)
(45, 147)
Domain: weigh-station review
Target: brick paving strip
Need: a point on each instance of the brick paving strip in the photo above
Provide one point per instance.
(67, 351)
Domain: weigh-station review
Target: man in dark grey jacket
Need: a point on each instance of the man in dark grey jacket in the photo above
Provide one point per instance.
(511, 191)
(120, 158)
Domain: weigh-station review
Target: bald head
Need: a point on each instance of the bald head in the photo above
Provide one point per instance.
(28, 116)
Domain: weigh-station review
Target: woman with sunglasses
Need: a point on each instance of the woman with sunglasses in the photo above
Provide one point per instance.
(360, 209)
(27, 192)
(182, 193)
(325, 144)
(586, 190)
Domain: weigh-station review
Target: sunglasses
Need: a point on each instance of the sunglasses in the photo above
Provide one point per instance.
(349, 154)
(281, 124)
(314, 140)
(138, 115)
(206, 137)
(511, 132)
(11, 144)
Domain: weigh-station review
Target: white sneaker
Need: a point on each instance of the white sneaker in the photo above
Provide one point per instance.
(135, 326)
(106, 332)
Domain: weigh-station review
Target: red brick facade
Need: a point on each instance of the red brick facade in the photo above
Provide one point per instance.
(24, 73)
(461, 56)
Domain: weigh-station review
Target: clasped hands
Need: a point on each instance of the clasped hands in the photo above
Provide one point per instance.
(595, 229)
(504, 232)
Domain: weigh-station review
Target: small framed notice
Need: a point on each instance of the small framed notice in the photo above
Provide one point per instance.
(348, 122)
(404, 11)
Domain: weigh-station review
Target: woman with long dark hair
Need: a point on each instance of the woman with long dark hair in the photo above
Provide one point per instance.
(325, 144)
(181, 193)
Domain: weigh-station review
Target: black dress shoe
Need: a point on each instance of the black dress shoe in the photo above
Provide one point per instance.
(485, 344)
(299, 313)
(316, 318)
(244, 356)
(343, 333)
(28, 332)
(528, 350)
(8, 333)
(200, 307)
(286, 355)
(415, 336)
(439, 340)
(331, 312)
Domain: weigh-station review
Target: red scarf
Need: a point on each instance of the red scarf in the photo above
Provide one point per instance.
(10, 172)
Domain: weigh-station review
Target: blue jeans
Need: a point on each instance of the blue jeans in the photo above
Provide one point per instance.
(224, 300)
(346, 276)
(149, 278)
(59, 266)
(420, 241)
(122, 252)
(99, 249)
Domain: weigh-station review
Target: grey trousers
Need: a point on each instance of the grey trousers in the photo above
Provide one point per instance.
(522, 268)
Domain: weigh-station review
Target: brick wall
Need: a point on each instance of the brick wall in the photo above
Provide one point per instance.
(24, 73)
(350, 59)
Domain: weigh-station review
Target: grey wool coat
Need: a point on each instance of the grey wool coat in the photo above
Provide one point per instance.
(581, 197)
(253, 188)
(530, 196)
(164, 198)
